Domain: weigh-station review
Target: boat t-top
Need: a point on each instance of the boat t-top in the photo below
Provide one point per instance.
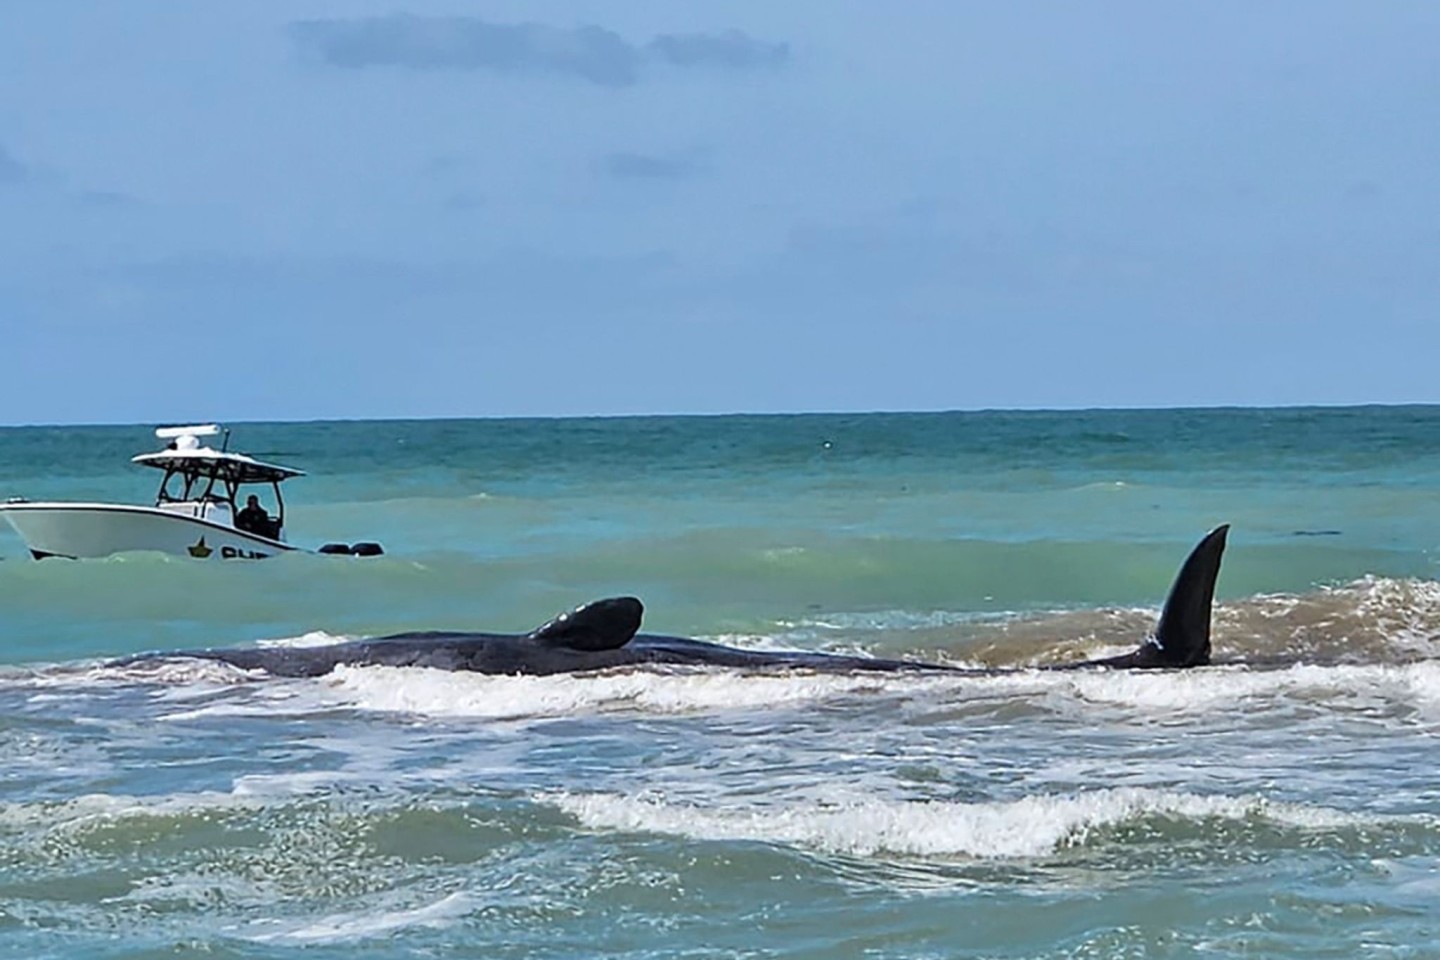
(197, 510)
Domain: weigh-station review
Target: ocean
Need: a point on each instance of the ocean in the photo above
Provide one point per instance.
(1282, 803)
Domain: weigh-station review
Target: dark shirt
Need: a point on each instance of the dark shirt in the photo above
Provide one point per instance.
(253, 519)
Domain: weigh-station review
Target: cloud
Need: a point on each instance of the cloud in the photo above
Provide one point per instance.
(639, 166)
(11, 170)
(468, 43)
(729, 49)
(590, 53)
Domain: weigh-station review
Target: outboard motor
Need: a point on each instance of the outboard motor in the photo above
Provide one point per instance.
(365, 548)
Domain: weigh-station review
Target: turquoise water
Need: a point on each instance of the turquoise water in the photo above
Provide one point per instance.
(1280, 805)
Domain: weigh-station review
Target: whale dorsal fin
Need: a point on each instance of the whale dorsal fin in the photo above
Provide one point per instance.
(1182, 636)
(603, 625)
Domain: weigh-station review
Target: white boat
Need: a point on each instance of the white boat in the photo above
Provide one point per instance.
(196, 511)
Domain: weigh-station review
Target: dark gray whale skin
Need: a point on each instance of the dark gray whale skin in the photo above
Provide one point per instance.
(602, 635)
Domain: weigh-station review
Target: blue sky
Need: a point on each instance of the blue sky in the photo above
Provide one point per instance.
(403, 209)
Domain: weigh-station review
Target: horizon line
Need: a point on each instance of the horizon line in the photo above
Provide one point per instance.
(1139, 408)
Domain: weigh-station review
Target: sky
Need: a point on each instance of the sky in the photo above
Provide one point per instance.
(308, 210)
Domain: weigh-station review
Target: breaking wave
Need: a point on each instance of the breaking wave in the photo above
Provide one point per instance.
(436, 693)
(1033, 826)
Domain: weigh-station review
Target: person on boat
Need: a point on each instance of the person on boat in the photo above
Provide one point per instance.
(253, 519)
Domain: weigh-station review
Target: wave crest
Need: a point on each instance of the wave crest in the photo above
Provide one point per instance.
(1033, 826)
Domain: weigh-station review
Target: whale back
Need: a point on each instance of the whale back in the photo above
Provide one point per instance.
(1181, 639)
(606, 624)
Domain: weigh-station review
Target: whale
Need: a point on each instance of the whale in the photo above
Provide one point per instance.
(604, 635)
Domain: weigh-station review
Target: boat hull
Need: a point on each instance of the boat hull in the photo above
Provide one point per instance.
(85, 530)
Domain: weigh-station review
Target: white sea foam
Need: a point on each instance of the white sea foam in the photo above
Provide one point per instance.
(1405, 611)
(441, 693)
(249, 792)
(278, 697)
(260, 787)
(1029, 827)
(96, 808)
(315, 638)
(178, 672)
(195, 888)
(184, 677)
(1415, 881)
(1222, 687)
(429, 692)
(342, 927)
